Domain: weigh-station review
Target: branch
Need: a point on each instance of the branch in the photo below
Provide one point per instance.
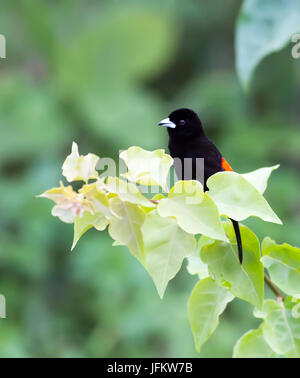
(154, 201)
(276, 291)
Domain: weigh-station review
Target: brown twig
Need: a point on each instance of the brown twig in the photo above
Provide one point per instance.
(274, 288)
(154, 201)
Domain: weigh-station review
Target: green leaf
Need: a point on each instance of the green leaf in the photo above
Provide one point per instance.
(127, 191)
(193, 209)
(125, 226)
(259, 178)
(253, 345)
(206, 303)
(147, 167)
(245, 281)
(263, 27)
(238, 199)
(282, 331)
(195, 264)
(87, 221)
(283, 264)
(268, 305)
(293, 303)
(166, 245)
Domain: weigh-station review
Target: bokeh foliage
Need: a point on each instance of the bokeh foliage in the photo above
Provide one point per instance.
(103, 73)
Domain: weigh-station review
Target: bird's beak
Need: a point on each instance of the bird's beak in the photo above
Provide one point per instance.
(167, 123)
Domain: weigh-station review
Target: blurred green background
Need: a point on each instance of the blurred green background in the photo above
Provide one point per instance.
(102, 73)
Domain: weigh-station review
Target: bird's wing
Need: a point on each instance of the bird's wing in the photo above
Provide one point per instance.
(226, 166)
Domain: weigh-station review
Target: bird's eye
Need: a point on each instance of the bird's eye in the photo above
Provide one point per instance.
(182, 122)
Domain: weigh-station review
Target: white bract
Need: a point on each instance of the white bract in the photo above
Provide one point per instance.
(77, 167)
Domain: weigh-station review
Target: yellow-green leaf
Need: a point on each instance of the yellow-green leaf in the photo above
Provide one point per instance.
(125, 226)
(238, 199)
(282, 330)
(87, 221)
(127, 191)
(147, 167)
(253, 345)
(245, 281)
(206, 303)
(283, 264)
(268, 305)
(195, 264)
(259, 178)
(166, 245)
(193, 209)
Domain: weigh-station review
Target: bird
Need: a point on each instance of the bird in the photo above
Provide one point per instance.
(187, 140)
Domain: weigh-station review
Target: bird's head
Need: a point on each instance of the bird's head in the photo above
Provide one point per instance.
(183, 122)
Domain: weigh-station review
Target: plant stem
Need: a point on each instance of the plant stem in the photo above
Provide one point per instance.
(153, 201)
(274, 288)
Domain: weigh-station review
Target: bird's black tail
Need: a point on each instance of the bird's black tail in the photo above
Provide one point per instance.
(238, 238)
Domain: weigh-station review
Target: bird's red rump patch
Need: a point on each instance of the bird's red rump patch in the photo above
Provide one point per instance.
(226, 166)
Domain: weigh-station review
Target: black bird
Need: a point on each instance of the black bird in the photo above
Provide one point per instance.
(187, 140)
